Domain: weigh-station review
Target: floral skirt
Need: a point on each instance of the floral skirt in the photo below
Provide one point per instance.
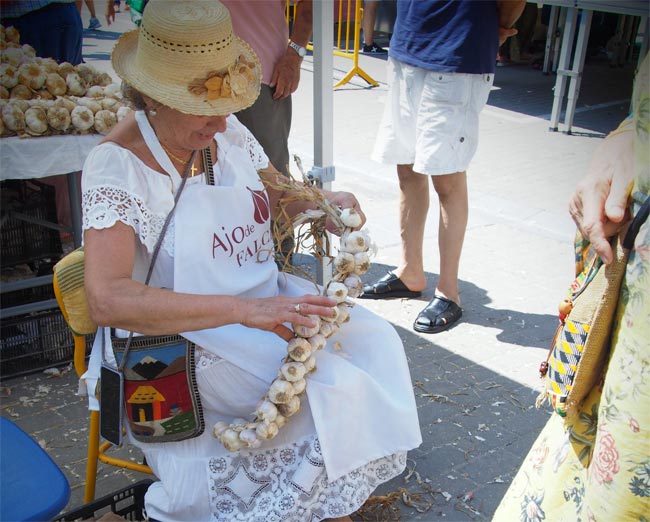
(596, 466)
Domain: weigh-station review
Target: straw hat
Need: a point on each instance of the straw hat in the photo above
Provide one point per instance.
(185, 56)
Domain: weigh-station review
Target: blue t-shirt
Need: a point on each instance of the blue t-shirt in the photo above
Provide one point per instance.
(447, 35)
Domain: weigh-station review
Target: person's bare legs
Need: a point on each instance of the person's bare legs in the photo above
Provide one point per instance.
(369, 14)
(414, 205)
(90, 4)
(452, 194)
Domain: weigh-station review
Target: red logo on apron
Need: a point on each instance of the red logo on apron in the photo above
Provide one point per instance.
(262, 206)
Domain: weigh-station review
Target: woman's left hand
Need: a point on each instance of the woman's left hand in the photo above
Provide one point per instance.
(344, 200)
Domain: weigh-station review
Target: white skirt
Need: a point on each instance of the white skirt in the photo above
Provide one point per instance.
(366, 420)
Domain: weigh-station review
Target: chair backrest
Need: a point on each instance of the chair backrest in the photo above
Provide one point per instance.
(68, 283)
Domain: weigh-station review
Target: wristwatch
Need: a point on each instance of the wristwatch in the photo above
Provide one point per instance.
(302, 52)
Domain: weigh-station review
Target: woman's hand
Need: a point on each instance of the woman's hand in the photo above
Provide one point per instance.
(272, 312)
(344, 200)
(599, 203)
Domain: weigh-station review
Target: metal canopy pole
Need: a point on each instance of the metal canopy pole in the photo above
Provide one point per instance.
(578, 68)
(323, 170)
(563, 66)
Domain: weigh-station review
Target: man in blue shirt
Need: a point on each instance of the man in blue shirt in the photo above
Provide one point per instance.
(441, 66)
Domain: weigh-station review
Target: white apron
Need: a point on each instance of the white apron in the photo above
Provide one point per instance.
(222, 243)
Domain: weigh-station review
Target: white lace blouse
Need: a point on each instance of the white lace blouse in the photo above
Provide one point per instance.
(118, 186)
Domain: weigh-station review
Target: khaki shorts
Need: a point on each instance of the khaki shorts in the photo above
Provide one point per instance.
(431, 118)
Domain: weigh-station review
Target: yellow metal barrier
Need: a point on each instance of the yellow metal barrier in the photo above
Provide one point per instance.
(353, 11)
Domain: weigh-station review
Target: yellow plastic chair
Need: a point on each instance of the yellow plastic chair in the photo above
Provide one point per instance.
(68, 281)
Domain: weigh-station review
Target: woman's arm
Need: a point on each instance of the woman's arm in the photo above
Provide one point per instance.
(116, 300)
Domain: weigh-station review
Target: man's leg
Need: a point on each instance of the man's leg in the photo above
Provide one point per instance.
(452, 194)
(414, 205)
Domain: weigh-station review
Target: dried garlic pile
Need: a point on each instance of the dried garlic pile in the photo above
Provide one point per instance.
(283, 398)
(39, 97)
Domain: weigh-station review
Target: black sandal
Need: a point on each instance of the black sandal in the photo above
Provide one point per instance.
(389, 286)
(438, 315)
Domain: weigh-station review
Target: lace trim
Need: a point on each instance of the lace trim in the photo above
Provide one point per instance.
(105, 205)
(252, 146)
(289, 484)
(205, 359)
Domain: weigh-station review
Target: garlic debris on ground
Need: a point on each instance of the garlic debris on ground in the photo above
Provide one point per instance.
(283, 398)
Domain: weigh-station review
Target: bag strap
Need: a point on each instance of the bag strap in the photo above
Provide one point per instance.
(640, 218)
(156, 250)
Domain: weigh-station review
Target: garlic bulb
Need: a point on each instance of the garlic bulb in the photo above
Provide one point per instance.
(293, 371)
(316, 342)
(350, 218)
(13, 56)
(361, 263)
(23, 105)
(354, 285)
(12, 35)
(76, 86)
(49, 65)
(113, 90)
(82, 118)
(354, 242)
(280, 391)
(110, 104)
(36, 121)
(31, 75)
(93, 104)
(299, 386)
(291, 407)
(66, 68)
(310, 364)
(59, 118)
(326, 329)
(219, 428)
(337, 291)
(299, 348)
(55, 84)
(267, 430)
(230, 439)
(87, 74)
(344, 262)
(13, 118)
(8, 75)
(122, 112)
(249, 438)
(21, 92)
(266, 410)
(306, 331)
(66, 103)
(103, 79)
(344, 314)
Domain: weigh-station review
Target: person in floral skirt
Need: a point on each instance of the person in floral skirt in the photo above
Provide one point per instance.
(595, 466)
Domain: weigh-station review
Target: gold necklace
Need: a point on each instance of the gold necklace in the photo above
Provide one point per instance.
(193, 170)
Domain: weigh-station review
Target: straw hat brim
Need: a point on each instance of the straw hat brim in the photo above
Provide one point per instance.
(179, 97)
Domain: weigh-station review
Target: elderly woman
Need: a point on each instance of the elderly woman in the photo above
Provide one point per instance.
(214, 281)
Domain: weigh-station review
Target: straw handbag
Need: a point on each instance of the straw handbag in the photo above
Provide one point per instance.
(581, 344)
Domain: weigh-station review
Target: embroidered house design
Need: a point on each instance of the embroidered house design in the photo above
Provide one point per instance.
(156, 391)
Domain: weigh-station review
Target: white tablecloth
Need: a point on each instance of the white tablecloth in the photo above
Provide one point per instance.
(26, 158)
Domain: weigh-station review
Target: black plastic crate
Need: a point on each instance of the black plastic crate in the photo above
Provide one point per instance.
(127, 502)
(36, 341)
(25, 206)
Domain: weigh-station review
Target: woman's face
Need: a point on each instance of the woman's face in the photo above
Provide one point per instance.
(192, 132)
(184, 131)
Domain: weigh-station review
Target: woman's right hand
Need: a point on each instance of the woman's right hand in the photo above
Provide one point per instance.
(272, 313)
(599, 203)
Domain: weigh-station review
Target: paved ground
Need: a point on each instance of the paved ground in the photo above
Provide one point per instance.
(475, 384)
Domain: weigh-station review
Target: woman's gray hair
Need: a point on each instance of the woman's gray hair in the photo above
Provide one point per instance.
(133, 97)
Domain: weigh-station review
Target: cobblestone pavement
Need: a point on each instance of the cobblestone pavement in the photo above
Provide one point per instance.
(475, 384)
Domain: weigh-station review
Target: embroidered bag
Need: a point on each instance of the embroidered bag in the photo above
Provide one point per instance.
(582, 340)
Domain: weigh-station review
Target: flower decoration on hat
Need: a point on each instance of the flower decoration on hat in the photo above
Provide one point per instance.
(228, 84)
